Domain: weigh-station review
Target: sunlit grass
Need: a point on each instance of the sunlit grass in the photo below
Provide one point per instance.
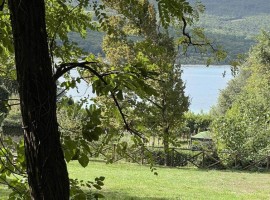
(131, 181)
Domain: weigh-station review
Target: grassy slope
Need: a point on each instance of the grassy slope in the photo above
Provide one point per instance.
(128, 181)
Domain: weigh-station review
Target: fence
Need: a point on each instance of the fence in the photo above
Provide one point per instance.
(179, 157)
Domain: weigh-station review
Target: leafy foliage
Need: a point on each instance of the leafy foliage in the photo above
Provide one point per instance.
(244, 128)
(153, 56)
(4, 94)
(228, 95)
(134, 76)
(232, 25)
(78, 193)
(195, 123)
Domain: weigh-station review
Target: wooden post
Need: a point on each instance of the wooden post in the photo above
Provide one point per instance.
(268, 161)
(235, 161)
(203, 159)
(142, 154)
(154, 140)
(114, 152)
(172, 158)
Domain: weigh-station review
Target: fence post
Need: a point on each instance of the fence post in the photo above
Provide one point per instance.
(142, 154)
(203, 159)
(268, 161)
(235, 161)
(172, 157)
(114, 152)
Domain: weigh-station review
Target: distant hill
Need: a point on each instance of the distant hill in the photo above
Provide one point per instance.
(230, 23)
(236, 8)
(234, 24)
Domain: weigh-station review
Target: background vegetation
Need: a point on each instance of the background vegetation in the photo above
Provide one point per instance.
(231, 24)
(139, 91)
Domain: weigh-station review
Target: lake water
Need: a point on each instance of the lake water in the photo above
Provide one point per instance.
(202, 85)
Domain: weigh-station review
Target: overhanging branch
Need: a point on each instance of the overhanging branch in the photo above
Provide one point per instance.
(65, 67)
(190, 41)
(153, 102)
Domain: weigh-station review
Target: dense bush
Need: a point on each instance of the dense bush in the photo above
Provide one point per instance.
(197, 122)
(244, 129)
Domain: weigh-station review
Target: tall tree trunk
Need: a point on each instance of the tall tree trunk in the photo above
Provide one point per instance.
(166, 145)
(46, 167)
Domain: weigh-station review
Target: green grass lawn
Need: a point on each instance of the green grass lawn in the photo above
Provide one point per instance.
(130, 181)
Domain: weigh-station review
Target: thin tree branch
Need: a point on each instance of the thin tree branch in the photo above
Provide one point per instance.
(69, 130)
(156, 104)
(86, 65)
(62, 92)
(10, 186)
(8, 159)
(57, 28)
(14, 173)
(190, 42)
(66, 67)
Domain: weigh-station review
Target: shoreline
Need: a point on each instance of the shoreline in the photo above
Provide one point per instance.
(203, 65)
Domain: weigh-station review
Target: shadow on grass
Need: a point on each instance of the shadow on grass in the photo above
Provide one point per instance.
(265, 171)
(124, 196)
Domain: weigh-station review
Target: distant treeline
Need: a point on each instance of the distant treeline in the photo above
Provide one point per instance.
(234, 45)
(230, 24)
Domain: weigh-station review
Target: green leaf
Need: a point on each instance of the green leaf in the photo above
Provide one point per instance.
(102, 178)
(68, 155)
(98, 196)
(83, 160)
(119, 95)
(97, 186)
(100, 183)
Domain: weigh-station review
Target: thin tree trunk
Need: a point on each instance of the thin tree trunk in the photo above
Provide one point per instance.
(46, 167)
(166, 146)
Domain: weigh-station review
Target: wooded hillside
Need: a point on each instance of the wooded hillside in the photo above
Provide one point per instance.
(236, 8)
(232, 24)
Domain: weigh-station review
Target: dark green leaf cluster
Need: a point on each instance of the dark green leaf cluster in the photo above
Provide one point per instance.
(13, 167)
(170, 9)
(243, 127)
(77, 193)
(90, 127)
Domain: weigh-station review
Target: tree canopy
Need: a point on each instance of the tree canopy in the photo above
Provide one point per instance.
(243, 128)
(34, 39)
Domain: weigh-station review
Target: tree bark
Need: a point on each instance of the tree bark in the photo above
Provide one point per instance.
(46, 166)
(166, 146)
